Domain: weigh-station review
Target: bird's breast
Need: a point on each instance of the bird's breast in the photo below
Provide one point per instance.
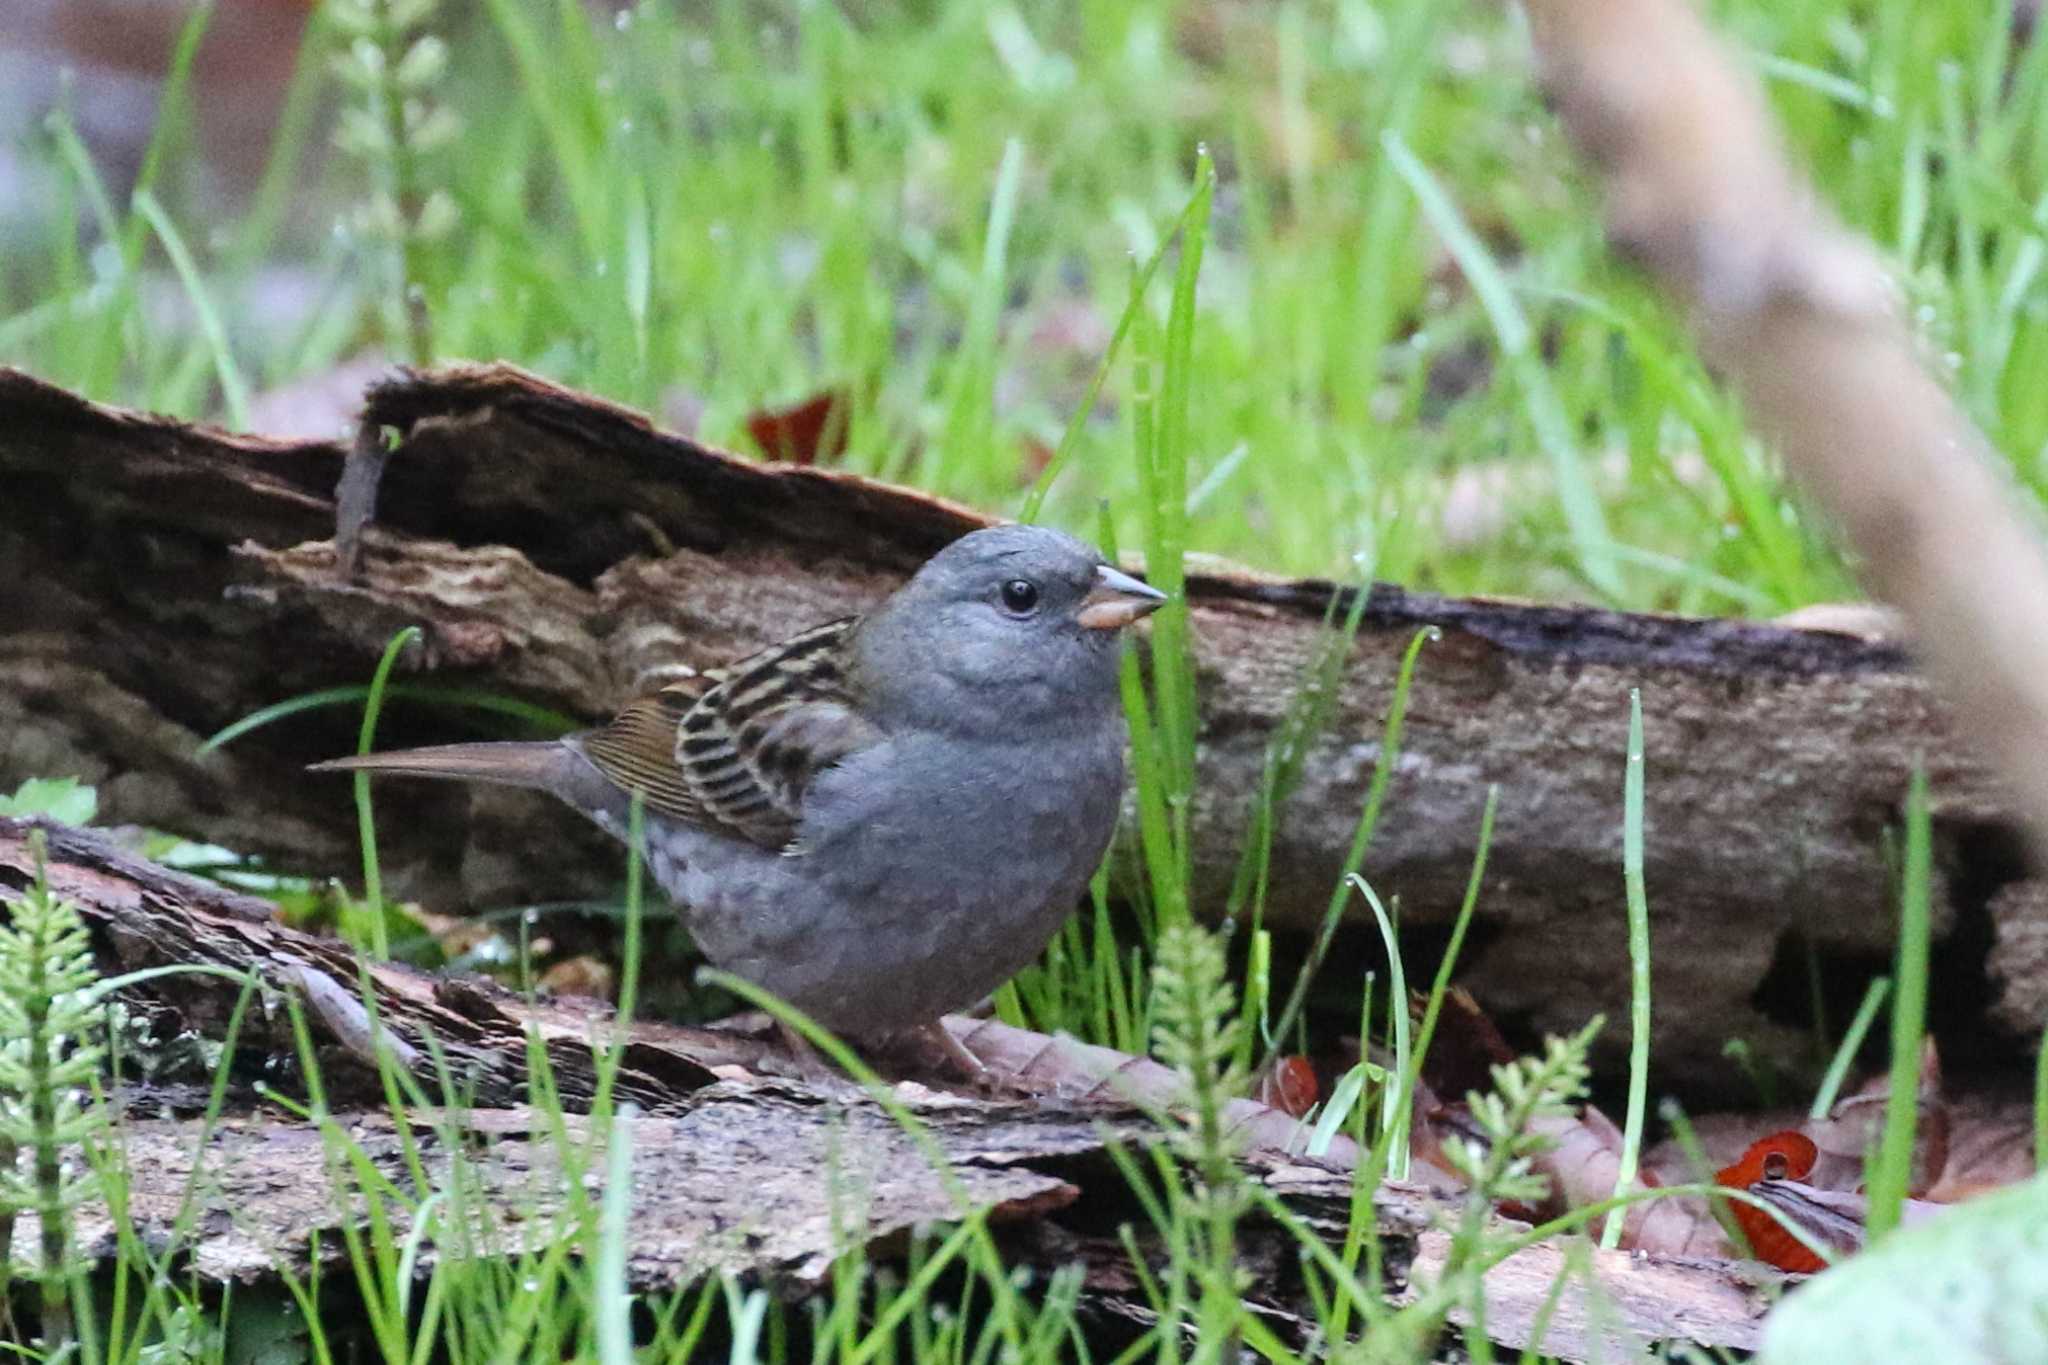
(971, 812)
(924, 874)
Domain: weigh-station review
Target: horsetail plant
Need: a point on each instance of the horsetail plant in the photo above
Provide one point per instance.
(1501, 1165)
(1195, 1031)
(394, 68)
(50, 1055)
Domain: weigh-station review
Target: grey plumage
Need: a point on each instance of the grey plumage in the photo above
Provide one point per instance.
(884, 818)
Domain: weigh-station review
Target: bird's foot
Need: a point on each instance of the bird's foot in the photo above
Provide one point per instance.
(927, 1052)
(936, 1052)
(808, 1063)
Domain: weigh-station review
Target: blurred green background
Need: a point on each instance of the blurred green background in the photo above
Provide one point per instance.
(1413, 357)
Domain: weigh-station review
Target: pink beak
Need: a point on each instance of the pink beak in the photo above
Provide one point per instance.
(1117, 599)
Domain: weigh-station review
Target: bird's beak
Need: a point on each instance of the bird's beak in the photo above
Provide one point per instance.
(1117, 599)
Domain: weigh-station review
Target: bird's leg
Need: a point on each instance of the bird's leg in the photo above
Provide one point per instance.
(940, 1050)
(810, 1065)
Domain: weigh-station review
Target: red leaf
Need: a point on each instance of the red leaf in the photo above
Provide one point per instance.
(1037, 455)
(1289, 1085)
(1789, 1155)
(806, 433)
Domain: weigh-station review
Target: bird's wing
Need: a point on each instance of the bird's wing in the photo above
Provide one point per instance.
(741, 757)
(637, 750)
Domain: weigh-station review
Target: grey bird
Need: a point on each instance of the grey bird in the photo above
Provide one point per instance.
(885, 817)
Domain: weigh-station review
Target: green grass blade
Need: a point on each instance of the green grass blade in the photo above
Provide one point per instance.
(614, 1307)
(366, 820)
(1852, 1043)
(1575, 490)
(1393, 1132)
(2041, 1106)
(1893, 1169)
(1361, 834)
(1442, 983)
(234, 389)
(1639, 963)
(1034, 501)
(543, 720)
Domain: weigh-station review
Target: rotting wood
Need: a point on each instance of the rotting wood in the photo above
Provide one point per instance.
(160, 581)
(770, 1182)
(471, 1029)
(756, 1179)
(732, 1170)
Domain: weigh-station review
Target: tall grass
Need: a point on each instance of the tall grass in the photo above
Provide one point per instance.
(935, 208)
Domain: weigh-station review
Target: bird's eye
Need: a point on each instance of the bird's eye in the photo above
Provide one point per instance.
(1020, 596)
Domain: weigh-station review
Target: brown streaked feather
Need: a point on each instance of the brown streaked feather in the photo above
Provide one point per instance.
(637, 751)
(741, 756)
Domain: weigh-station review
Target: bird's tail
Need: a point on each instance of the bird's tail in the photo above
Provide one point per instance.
(544, 765)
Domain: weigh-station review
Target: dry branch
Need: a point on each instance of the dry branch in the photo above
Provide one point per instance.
(159, 581)
(1800, 315)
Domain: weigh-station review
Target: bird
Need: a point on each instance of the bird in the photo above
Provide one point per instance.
(885, 817)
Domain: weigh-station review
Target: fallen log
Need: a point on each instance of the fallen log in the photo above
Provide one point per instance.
(160, 581)
(732, 1170)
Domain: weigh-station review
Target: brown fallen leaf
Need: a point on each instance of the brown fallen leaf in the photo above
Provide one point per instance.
(1990, 1145)
(1851, 1129)
(1065, 1068)
(580, 975)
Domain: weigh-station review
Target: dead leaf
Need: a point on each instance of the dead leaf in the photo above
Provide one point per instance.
(806, 433)
(1466, 1046)
(580, 975)
(1287, 1084)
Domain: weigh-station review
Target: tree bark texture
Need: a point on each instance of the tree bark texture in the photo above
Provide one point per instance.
(159, 581)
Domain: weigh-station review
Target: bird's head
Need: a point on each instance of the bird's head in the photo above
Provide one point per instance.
(1003, 626)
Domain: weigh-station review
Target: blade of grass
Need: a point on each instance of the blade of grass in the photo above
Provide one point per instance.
(1034, 500)
(613, 1311)
(1575, 492)
(172, 104)
(1852, 1043)
(613, 1055)
(540, 717)
(970, 385)
(1893, 1168)
(366, 820)
(1639, 962)
(1675, 1119)
(2041, 1106)
(1361, 838)
(1397, 1014)
(1427, 1032)
(234, 389)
